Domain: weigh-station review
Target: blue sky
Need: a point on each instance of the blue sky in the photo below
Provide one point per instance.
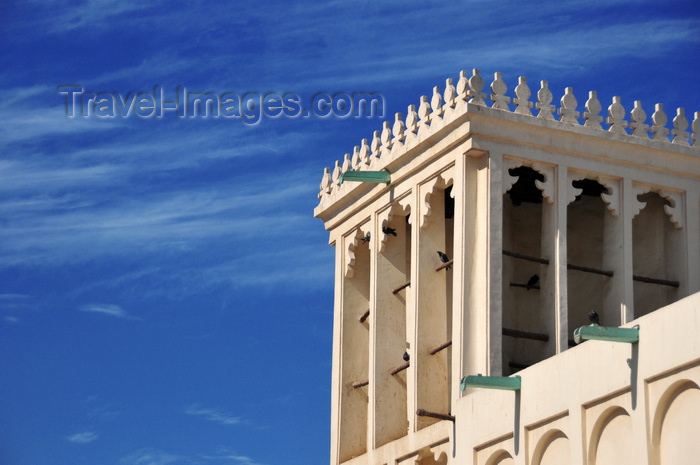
(165, 292)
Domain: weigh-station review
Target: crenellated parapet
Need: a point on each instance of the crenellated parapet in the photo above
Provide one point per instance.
(442, 108)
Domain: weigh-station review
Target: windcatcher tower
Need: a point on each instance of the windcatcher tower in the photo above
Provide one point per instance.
(545, 213)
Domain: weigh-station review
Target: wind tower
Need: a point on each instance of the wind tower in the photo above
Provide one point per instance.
(543, 213)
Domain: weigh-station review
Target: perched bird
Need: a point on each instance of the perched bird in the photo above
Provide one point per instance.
(366, 238)
(593, 317)
(388, 230)
(406, 357)
(534, 279)
(444, 258)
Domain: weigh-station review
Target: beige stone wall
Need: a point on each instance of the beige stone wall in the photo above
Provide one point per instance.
(598, 403)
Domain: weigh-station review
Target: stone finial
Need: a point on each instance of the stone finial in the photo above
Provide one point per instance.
(398, 129)
(592, 113)
(522, 92)
(436, 101)
(544, 97)
(364, 153)
(616, 120)
(424, 110)
(680, 124)
(638, 117)
(325, 182)
(376, 144)
(568, 107)
(411, 119)
(347, 165)
(659, 119)
(386, 135)
(337, 171)
(696, 129)
(499, 89)
(476, 85)
(450, 93)
(463, 86)
(356, 157)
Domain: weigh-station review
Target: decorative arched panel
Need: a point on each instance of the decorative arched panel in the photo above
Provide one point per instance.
(552, 449)
(612, 440)
(500, 457)
(676, 427)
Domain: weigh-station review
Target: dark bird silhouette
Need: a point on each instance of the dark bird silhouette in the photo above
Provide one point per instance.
(593, 317)
(534, 279)
(444, 259)
(388, 230)
(366, 238)
(406, 357)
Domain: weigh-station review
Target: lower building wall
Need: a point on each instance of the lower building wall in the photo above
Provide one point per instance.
(597, 403)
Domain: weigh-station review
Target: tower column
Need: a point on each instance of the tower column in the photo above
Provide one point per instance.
(480, 256)
(388, 400)
(430, 298)
(554, 275)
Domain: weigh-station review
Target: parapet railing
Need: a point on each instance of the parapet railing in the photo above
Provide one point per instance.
(441, 107)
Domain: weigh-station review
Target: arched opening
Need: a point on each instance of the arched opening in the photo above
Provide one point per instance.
(523, 314)
(658, 258)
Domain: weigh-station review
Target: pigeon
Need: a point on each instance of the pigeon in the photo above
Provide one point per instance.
(444, 259)
(534, 279)
(388, 230)
(593, 317)
(406, 357)
(366, 238)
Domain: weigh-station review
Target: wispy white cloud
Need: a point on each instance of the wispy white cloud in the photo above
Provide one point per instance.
(83, 438)
(107, 309)
(148, 456)
(212, 415)
(12, 319)
(22, 124)
(91, 13)
(229, 456)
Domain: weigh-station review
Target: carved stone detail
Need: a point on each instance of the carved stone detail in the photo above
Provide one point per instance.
(675, 210)
(356, 157)
(364, 153)
(463, 86)
(568, 107)
(384, 217)
(680, 124)
(659, 119)
(426, 191)
(545, 186)
(499, 88)
(436, 102)
(398, 130)
(351, 246)
(638, 117)
(476, 84)
(612, 200)
(638, 205)
(325, 182)
(411, 120)
(426, 457)
(592, 113)
(450, 94)
(616, 120)
(522, 92)
(544, 97)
